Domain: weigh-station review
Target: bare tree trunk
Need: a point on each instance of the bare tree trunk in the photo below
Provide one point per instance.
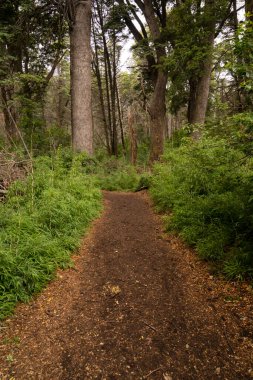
(113, 96)
(101, 93)
(80, 57)
(108, 95)
(120, 117)
(108, 79)
(132, 135)
(157, 112)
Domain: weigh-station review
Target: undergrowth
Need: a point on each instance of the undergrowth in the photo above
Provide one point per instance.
(119, 175)
(116, 174)
(42, 221)
(209, 187)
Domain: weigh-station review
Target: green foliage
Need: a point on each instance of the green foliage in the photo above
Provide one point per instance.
(236, 129)
(122, 179)
(243, 48)
(41, 224)
(117, 174)
(208, 185)
(190, 26)
(32, 40)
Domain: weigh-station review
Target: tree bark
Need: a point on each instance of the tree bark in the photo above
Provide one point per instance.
(199, 100)
(113, 96)
(157, 106)
(155, 16)
(80, 67)
(192, 98)
(101, 92)
(237, 77)
(132, 135)
(200, 86)
(120, 118)
(157, 112)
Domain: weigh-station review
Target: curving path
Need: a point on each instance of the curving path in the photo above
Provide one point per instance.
(135, 306)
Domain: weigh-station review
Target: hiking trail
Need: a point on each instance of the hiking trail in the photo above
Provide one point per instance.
(137, 305)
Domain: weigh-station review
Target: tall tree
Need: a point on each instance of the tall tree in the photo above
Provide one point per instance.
(150, 38)
(180, 34)
(107, 40)
(79, 13)
(192, 30)
(200, 82)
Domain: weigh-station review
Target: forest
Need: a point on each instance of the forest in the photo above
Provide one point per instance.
(126, 189)
(123, 95)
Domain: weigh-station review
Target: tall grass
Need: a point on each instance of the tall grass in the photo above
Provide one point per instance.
(41, 223)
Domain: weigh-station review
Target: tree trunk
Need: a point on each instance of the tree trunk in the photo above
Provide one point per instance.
(101, 93)
(157, 112)
(198, 112)
(108, 82)
(192, 99)
(132, 135)
(237, 76)
(113, 95)
(120, 118)
(200, 84)
(80, 67)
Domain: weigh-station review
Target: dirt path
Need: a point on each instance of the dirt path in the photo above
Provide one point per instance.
(132, 308)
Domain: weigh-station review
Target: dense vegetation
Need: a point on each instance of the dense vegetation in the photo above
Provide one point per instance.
(42, 222)
(208, 188)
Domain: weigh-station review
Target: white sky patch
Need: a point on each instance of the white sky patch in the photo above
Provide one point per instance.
(126, 55)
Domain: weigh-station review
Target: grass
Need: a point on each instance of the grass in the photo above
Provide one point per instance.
(41, 223)
(116, 174)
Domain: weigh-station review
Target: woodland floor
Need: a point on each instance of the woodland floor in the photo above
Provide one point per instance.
(137, 305)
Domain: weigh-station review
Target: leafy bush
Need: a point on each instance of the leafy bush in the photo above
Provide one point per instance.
(42, 222)
(208, 185)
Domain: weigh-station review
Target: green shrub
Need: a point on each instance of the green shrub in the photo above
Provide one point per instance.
(208, 185)
(42, 222)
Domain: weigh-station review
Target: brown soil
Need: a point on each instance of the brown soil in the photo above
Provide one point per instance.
(137, 305)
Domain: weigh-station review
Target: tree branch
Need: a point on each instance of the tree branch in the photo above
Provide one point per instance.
(129, 23)
(54, 65)
(228, 14)
(137, 19)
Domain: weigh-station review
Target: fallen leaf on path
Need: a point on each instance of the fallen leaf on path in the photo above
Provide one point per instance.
(167, 377)
(113, 290)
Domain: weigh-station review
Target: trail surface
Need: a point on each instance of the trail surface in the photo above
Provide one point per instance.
(137, 305)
